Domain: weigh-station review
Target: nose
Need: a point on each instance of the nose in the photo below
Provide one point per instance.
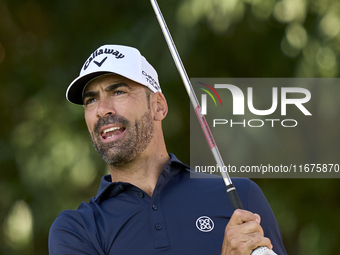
(105, 108)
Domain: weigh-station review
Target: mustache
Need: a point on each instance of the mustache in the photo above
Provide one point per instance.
(111, 119)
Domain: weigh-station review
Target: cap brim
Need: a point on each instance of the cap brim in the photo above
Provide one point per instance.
(74, 92)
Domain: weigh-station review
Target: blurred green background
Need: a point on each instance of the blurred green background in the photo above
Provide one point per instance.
(46, 158)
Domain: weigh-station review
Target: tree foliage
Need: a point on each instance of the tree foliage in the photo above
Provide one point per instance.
(46, 157)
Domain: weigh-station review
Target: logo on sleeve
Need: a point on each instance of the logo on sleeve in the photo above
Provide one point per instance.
(204, 224)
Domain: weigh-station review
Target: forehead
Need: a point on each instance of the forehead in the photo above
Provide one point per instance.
(109, 79)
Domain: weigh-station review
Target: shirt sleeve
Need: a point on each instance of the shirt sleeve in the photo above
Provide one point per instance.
(69, 236)
(257, 203)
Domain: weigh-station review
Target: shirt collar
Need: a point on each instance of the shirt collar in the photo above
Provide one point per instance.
(108, 188)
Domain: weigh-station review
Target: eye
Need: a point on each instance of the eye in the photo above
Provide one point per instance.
(118, 92)
(89, 101)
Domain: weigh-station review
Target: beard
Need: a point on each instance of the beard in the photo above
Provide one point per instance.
(124, 150)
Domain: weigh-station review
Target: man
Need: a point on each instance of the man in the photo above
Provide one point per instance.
(149, 204)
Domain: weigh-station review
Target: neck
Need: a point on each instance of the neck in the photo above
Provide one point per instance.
(142, 172)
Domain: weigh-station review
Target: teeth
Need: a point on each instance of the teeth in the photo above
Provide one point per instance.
(111, 129)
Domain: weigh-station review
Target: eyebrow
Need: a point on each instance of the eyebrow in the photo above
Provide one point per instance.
(109, 88)
(115, 86)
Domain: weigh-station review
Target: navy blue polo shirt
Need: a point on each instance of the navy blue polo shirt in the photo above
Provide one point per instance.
(185, 215)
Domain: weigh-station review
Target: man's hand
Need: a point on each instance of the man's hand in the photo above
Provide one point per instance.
(243, 234)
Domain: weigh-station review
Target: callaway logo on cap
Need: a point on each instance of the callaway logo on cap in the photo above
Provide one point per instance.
(123, 60)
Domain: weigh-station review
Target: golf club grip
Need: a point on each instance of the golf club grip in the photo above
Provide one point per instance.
(263, 251)
(237, 204)
(233, 197)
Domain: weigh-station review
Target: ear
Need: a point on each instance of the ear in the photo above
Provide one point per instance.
(159, 106)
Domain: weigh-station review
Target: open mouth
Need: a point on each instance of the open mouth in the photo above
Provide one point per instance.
(112, 132)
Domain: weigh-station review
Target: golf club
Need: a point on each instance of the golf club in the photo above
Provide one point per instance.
(232, 193)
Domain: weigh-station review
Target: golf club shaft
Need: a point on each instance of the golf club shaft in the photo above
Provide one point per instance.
(232, 193)
(234, 198)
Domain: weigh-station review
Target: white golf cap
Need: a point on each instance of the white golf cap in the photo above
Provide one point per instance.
(123, 60)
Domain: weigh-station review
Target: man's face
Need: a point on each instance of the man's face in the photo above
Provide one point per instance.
(118, 117)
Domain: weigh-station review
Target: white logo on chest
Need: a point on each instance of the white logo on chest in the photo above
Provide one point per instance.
(204, 224)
